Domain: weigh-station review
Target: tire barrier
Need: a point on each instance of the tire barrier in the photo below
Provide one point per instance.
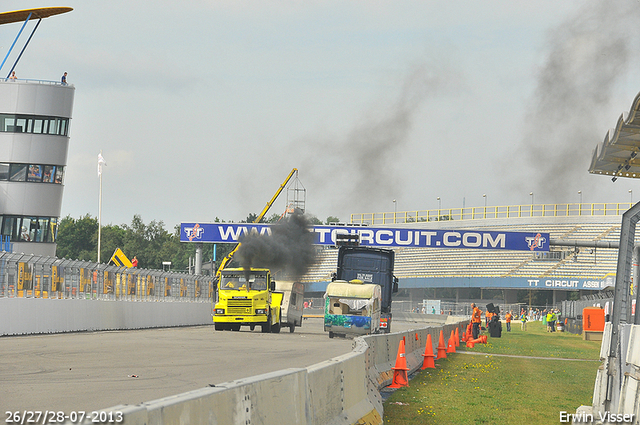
(342, 390)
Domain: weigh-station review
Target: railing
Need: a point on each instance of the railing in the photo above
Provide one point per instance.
(483, 213)
(32, 81)
(33, 276)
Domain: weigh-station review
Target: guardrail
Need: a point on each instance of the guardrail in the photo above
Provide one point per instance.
(483, 213)
(32, 81)
(342, 390)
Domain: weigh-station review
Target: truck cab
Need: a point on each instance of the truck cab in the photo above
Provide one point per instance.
(247, 297)
(352, 308)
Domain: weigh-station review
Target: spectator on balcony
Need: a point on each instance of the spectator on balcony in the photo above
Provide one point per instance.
(63, 80)
(13, 76)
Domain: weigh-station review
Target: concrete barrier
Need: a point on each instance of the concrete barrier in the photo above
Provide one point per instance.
(619, 393)
(342, 390)
(630, 391)
(28, 316)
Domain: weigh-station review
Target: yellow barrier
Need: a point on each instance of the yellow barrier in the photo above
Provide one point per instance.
(482, 213)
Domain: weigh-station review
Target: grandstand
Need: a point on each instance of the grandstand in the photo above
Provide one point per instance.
(564, 267)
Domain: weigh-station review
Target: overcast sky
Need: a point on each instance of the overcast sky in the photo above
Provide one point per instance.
(202, 108)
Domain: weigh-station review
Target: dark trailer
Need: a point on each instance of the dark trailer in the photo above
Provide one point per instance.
(370, 265)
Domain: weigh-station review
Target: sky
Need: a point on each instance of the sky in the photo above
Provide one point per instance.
(202, 108)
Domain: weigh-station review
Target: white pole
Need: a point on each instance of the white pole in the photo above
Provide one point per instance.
(100, 212)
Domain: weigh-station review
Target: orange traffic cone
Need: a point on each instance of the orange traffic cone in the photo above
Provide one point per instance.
(451, 345)
(470, 343)
(482, 339)
(400, 378)
(457, 337)
(442, 349)
(464, 336)
(470, 331)
(428, 355)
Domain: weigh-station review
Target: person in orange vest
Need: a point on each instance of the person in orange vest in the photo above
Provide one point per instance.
(476, 319)
(487, 317)
(508, 318)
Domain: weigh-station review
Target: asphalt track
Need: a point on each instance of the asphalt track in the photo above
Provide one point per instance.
(96, 370)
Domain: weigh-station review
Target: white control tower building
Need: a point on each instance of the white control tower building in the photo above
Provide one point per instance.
(34, 140)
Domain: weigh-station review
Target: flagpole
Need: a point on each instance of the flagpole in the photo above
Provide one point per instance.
(100, 209)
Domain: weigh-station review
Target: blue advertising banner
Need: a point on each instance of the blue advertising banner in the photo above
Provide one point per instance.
(393, 237)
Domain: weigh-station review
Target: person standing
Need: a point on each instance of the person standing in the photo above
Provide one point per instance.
(508, 318)
(63, 80)
(551, 320)
(487, 318)
(523, 320)
(134, 262)
(13, 76)
(476, 319)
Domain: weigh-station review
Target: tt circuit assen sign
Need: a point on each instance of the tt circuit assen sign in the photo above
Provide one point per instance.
(377, 236)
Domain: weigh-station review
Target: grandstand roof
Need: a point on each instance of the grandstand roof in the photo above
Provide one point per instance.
(617, 154)
(39, 13)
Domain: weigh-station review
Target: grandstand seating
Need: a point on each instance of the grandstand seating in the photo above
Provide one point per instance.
(578, 263)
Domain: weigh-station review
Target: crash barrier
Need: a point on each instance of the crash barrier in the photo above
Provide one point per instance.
(574, 309)
(574, 326)
(25, 316)
(427, 318)
(33, 276)
(622, 388)
(342, 390)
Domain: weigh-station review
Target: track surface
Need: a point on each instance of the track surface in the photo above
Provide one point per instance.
(93, 370)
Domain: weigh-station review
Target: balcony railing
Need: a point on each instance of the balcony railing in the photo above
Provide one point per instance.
(483, 213)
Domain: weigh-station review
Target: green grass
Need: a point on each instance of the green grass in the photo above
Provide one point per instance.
(487, 389)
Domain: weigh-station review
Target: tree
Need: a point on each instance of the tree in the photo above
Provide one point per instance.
(332, 219)
(77, 239)
(314, 220)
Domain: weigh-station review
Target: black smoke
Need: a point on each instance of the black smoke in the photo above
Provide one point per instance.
(289, 248)
(588, 55)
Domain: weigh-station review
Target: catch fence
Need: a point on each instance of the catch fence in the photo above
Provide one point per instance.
(33, 276)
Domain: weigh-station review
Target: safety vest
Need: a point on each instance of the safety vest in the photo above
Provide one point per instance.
(476, 317)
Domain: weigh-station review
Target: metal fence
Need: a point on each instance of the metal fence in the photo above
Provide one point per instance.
(461, 308)
(482, 213)
(573, 309)
(33, 276)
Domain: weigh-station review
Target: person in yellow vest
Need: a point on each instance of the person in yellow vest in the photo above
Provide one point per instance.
(551, 321)
(523, 320)
(476, 320)
(508, 318)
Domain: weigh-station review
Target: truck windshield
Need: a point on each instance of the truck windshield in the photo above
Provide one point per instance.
(239, 282)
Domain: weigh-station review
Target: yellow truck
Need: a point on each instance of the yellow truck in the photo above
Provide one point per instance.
(247, 297)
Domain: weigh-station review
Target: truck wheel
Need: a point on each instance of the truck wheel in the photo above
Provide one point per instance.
(276, 328)
(266, 327)
(235, 328)
(331, 334)
(292, 327)
(219, 326)
(252, 327)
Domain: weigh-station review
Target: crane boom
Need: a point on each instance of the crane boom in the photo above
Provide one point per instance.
(260, 216)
